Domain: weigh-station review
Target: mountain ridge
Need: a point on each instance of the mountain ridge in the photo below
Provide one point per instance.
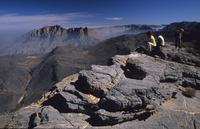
(43, 40)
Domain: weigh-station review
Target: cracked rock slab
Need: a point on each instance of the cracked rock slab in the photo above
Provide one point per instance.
(146, 67)
(100, 79)
(72, 100)
(131, 95)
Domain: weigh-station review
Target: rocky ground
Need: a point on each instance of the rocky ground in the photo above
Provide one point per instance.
(135, 91)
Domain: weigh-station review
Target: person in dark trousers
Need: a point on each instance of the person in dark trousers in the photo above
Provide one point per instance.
(178, 37)
(160, 44)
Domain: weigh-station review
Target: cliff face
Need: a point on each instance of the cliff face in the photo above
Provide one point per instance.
(57, 31)
(47, 38)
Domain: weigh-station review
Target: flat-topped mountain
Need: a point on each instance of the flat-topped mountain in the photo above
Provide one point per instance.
(51, 32)
(45, 39)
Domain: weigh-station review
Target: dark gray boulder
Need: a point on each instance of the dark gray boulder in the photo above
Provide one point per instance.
(48, 117)
(143, 67)
(131, 95)
(21, 118)
(103, 117)
(137, 99)
(72, 100)
(100, 79)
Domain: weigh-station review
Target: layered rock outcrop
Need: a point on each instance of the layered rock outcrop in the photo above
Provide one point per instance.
(135, 91)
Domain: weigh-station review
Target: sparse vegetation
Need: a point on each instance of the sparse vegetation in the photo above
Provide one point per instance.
(184, 45)
(189, 92)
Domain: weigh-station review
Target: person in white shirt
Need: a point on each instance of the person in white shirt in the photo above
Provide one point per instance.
(160, 44)
(161, 40)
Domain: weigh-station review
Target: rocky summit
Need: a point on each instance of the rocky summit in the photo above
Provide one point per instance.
(135, 91)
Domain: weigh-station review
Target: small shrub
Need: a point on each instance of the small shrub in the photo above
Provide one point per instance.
(189, 92)
(184, 45)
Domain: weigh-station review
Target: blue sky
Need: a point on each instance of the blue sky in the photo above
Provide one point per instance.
(30, 14)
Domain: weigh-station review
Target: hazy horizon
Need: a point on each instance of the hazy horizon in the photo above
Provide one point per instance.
(20, 16)
(31, 14)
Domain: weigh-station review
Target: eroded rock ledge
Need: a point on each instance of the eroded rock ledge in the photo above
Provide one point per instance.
(134, 88)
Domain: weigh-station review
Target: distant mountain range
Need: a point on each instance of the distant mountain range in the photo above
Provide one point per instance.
(45, 39)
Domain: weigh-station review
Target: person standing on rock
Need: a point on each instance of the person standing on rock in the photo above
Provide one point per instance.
(151, 41)
(178, 37)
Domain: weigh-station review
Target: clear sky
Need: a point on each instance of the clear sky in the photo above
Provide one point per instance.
(30, 14)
